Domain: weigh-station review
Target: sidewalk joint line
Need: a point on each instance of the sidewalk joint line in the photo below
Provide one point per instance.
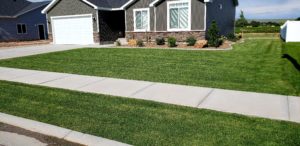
(288, 107)
(205, 97)
(67, 134)
(54, 79)
(88, 84)
(140, 90)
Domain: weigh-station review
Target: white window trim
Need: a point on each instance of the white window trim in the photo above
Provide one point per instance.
(141, 30)
(189, 17)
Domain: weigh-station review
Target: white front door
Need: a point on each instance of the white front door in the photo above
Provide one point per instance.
(76, 29)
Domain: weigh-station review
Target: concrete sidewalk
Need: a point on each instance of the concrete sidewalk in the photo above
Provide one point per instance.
(270, 106)
(58, 132)
(20, 51)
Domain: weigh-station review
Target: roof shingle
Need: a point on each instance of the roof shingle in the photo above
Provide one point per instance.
(14, 8)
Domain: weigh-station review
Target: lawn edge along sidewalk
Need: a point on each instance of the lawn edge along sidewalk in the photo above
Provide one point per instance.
(271, 106)
(58, 132)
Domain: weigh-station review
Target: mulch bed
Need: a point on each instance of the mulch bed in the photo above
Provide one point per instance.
(225, 45)
(23, 43)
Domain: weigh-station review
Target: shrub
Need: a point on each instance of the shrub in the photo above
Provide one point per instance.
(160, 41)
(232, 37)
(140, 43)
(172, 42)
(298, 19)
(132, 42)
(214, 38)
(191, 41)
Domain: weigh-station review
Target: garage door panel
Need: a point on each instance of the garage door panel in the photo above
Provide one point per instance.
(73, 30)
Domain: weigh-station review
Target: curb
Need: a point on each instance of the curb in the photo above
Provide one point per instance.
(58, 132)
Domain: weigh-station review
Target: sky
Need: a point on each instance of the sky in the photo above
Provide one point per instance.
(267, 9)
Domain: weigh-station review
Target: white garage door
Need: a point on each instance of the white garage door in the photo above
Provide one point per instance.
(73, 29)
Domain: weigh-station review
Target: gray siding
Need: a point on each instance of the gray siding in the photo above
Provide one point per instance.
(8, 27)
(197, 22)
(137, 5)
(224, 17)
(71, 7)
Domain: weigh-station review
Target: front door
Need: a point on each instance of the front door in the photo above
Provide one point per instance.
(42, 32)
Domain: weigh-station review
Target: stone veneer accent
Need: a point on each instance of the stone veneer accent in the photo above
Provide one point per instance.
(96, 37)
(180, 36)
(50, 37)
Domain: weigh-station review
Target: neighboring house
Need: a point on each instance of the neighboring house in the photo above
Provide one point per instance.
(104, 21)
(290, 31)
(22, 20)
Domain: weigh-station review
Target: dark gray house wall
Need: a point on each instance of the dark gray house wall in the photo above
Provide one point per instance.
(8, 26)
(197, 22)
(71, 7)
(224, 17)
(138, 5)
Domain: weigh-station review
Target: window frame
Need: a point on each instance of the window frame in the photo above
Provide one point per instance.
(134, 19)
(189, 15)
(22, 31)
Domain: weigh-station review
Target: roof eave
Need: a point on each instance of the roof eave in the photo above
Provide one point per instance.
(49, 6)
(156, 1)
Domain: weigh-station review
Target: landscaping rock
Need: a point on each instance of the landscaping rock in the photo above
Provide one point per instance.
(201, 44)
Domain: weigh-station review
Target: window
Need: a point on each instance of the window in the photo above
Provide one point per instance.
(21, 28)
(141, 19)
(179, 14)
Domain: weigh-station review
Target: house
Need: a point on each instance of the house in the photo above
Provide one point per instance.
(22, 20)
(290, 31)
(104, 21)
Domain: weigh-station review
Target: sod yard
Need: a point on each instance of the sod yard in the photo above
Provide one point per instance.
(259, 64)
(140, 122)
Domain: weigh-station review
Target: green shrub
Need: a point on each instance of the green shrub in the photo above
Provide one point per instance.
(160, 41)
(232, 37)
(172, 42)
(191, 41)
(213, 36)
(140, 43)
(298, 19)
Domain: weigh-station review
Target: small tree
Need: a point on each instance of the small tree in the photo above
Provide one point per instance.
(214, 39)
(298, 19)
(242, 21)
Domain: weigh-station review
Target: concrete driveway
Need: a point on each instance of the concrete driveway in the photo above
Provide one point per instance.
(6, 53)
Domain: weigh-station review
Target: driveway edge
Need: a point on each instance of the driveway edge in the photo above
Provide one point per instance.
(58, 132)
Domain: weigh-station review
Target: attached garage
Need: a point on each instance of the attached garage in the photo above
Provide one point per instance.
(73, 29)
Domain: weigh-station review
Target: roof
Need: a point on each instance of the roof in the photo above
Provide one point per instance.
(16, 8)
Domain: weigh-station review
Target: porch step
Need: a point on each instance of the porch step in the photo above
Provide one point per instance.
(123, 41)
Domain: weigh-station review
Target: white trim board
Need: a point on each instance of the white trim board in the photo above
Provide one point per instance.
(134, 19)
(44, 11)
(189, 17)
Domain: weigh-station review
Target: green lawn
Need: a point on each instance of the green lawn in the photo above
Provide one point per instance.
(256, 65)
(142, 122)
